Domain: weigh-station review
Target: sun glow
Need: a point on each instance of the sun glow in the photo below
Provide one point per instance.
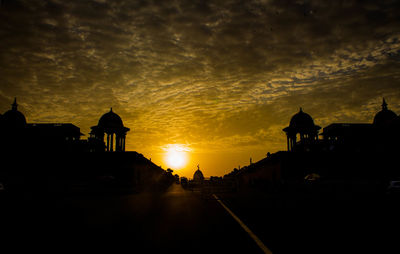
(176, 156)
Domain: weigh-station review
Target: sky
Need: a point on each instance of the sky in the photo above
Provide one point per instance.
(215, 80)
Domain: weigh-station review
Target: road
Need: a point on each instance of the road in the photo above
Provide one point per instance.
(176, 221)
(181, 221)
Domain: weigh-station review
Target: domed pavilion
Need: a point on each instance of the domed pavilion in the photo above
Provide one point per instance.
(111, 124)
(302, 125)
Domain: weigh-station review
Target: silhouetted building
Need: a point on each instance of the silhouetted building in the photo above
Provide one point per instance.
(13, 120)
(379, 136)
(51, 157)
(349, 152)
(385, 116)
(301, 133)
(198, 175)
(112, 125)
(53, 136)
(13, 129)
(21, 136)
(348, 136)
(387, 130)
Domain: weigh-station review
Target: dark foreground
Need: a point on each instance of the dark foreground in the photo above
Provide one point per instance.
(180, 221)
(311, 223)
(177, 221)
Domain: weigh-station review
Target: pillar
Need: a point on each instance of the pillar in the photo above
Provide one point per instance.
(117, 143)
(108, 142)
(294, 141)
(287, 141)
(123, 144)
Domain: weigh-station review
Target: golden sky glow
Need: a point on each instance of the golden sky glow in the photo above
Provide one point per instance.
(221, 78)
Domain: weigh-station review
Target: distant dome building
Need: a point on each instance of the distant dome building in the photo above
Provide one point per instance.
(111, 124)
(302, 125)
(385, 116)
(198, 175)
(13, 119)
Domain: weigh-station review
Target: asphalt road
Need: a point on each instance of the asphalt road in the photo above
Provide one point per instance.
(356, 223)
(176, 221)
(181, 221)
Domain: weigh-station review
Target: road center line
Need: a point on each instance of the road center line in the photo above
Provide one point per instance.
(251, 234)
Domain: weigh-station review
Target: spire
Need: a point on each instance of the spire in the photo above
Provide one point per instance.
(301, 109)
(14, 106)
(384, 105)
(111, 109)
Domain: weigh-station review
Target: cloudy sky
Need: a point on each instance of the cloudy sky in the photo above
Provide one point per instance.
(219, 78)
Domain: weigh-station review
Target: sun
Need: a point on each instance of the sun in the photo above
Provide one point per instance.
(176, 156)
(176, 159)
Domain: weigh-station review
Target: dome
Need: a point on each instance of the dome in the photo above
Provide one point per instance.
(301, 120)
(384, 116)
(198, 176)
(110, 120)
(13, 118)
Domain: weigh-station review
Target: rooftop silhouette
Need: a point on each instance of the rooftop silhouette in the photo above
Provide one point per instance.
(54, 157)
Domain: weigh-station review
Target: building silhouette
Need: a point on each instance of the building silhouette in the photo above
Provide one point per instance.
(385, 116)
(380, 136)
(110, 124)
(65, 137)
(346, 153)
(54, 137)
(46, 137)
(52, 157)
(13, 120)
(198, 176)
(301, 133)
(13, 128)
